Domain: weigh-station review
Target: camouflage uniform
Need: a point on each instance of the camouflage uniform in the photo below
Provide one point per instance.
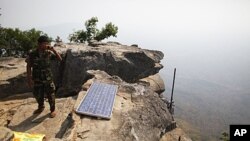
(42, 77)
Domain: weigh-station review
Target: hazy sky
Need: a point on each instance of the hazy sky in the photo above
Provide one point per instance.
(205, 38)
(172, 17)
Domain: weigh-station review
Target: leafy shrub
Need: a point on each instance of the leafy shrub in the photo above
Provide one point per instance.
(92, 33)
(15, 42)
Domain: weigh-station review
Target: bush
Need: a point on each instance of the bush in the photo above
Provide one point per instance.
(14, 42)
(224, 136)
(92, 33)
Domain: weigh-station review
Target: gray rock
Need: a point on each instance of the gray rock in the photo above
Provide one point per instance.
(95, 43)
(129, 63)
(24, 121)
(156, 83)
(134, 45)
(138, 114)
(176, 135)
(12, 76)
(6, 134)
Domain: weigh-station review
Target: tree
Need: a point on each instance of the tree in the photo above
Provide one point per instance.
(224, 136)
(16, 42)
(92, 32)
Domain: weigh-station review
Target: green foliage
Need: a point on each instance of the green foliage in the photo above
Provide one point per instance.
(16, 42)
(93, 33)
(224, 136)
(91, 28)
(109, 30)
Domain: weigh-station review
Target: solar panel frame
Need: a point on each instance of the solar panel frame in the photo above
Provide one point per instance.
(92, 109)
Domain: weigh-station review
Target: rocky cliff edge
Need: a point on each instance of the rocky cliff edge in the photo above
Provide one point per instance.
(139, 112)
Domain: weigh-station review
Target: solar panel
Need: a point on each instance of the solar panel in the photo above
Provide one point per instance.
(99, 100)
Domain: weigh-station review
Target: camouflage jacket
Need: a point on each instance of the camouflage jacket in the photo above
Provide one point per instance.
(40, 64)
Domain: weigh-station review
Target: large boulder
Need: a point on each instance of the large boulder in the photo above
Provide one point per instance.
(128, 62)
(6, 134)
(12, 76)
(138, 114)
(156, 83)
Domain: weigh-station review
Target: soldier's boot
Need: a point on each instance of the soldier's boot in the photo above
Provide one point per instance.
(53, 114)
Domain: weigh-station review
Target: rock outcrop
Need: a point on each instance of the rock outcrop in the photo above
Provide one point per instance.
(127, 62)
(6, 134)
(155, 83)
(176, 135)
(139, 113)
(12, 76)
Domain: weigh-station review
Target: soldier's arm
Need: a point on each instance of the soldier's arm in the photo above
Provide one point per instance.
(28, 69)
(58, 56)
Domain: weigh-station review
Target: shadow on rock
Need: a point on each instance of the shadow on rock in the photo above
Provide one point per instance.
(29, 123)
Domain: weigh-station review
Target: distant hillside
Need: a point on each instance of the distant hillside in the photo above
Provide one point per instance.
(209, 107)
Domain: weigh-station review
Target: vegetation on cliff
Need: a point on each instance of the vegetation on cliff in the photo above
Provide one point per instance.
(15, 42)
(92, 33)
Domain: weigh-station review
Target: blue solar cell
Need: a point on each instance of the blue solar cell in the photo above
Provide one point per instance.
(99, 100)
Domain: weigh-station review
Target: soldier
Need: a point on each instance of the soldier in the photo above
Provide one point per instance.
(39, 74)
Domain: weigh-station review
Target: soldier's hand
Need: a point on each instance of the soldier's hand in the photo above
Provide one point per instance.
(50, 48)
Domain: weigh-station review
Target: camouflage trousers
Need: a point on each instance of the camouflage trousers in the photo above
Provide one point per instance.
(42, 90)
